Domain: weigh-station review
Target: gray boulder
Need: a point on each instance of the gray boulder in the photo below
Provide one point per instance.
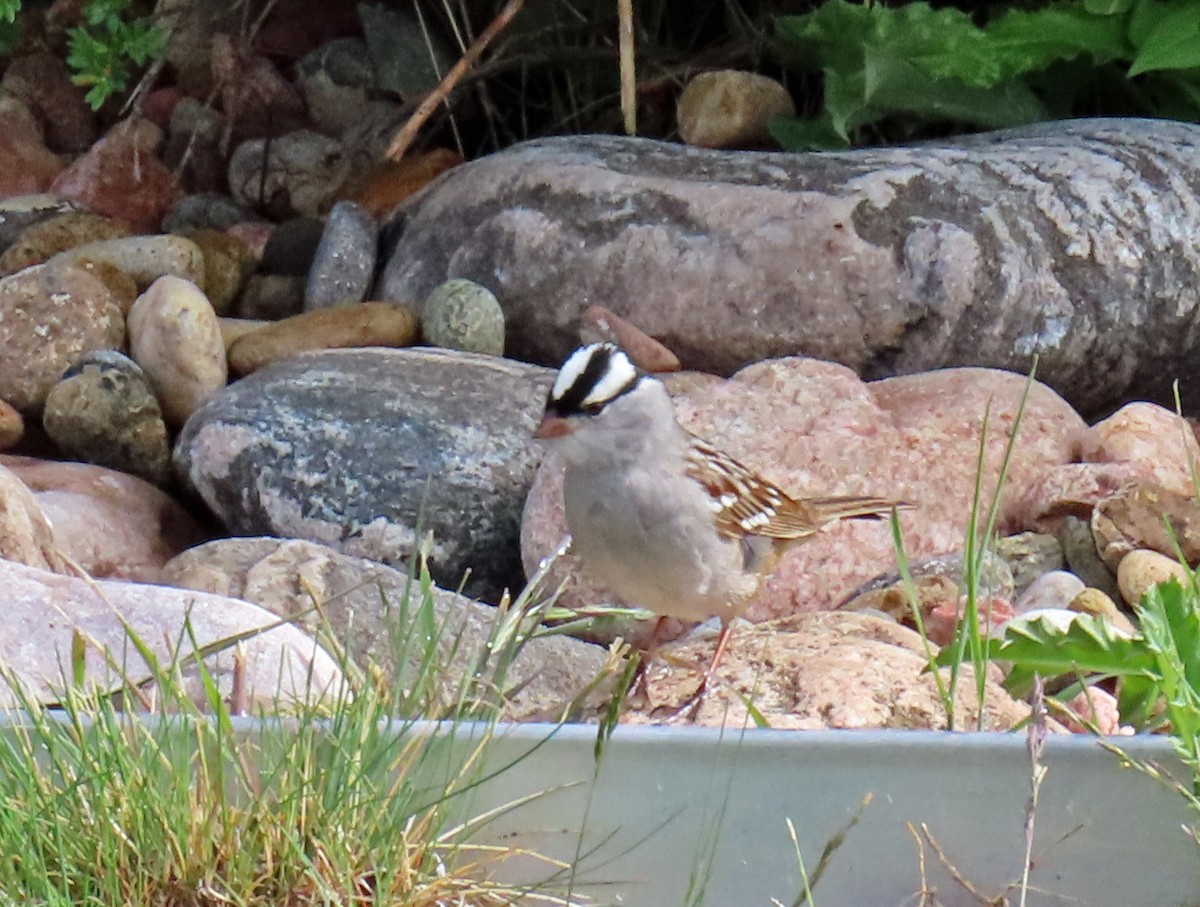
(366, 450)
(1070, 241)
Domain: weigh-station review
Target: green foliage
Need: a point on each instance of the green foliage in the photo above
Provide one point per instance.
(108, 46)
(919, 63)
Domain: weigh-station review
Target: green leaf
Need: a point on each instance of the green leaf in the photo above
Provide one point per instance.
(1024, 41)
(1107, 7)
(815, 134)
(1173, 42)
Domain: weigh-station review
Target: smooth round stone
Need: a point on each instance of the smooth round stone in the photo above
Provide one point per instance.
(233, 328)
(728, 108)
(1055, 589)
(270, 297)
(463, 315)
(228, 263)
(1079, 549)
(145, 258)
(1141, 569)
(204, 211)
(292, 246)
(104, 412)
(343, 266)
(1097, 603)
(20, 212)
(359, 325)
(174, 335)
(45, 238)
(299, 171)
(12, 426)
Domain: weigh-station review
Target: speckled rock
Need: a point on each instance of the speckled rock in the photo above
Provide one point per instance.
(104, 412)
(175, 337)
(50, 315)
(357, 448)
(113, 525)
(228, 263)
(359, 600)
(1141, 569)
(1079, 550)
(815, 429)
(204, 211)
(357, 325)
(20, 212)
(46, 237)
(1029, 555)
(818, 671)
(12, 426)
(280, 667)
(1054, 240)
(343, 266)
(1133, 518)
(728, 108)
(145, 258)
(1156, 439)
(302, 173)
(271, 297)
(462, 315)
(26, 536)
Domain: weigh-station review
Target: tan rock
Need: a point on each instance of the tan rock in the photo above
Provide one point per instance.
(124, 288)
(233, 328)
(1099, 604)
(12, 426)
(358, 601)
(228, 264)
(834, 670)
(731, 109)
(1141, 569)
(174, 335)
(26, 536)
(1153, 437)
(44, 239)
(145, 258)
(1133, 518)
(113, 525)
(49, 315)
(358, 325)
(44, 616)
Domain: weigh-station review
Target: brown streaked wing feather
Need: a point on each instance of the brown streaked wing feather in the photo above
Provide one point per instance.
(747, 504)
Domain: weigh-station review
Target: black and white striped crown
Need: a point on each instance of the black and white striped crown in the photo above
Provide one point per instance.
(593, 376)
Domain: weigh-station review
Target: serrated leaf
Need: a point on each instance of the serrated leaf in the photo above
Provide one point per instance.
(1026, 41)
(1172, 43)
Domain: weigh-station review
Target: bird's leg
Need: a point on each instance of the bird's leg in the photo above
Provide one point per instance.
(639, 680)
(691, 706)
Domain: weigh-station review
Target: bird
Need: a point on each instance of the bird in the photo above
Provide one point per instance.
(664, 519)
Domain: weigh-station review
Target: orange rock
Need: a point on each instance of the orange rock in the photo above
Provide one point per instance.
(381, 190)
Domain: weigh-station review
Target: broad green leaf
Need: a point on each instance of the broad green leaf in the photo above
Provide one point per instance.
(1172, 43)
(1025, 41)
(1144, 18)
(895, 86)
(815, 134)
(1107, 7)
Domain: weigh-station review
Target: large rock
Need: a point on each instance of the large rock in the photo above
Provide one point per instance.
(113, 525)
(359, 601)
(367, 450)
(46, 615)
(1060, 241)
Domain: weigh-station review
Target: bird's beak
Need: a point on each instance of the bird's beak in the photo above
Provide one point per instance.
(553, 426)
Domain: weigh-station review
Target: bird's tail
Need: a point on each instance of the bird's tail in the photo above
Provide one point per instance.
(827, 510)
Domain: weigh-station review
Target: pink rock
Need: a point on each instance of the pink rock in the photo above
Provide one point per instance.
(255, 96)
(942, 621)
(29, 166)
(121, 177)
(43, 83)
(1094, 707)
(45, 616)
(1073, 489)
(160, 104)
(1154, 438)
(814, 428)
(600, 324)
(111, 524)
(254, 234)
(26, 536)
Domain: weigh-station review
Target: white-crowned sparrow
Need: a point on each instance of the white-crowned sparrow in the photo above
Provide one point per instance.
(662, 518)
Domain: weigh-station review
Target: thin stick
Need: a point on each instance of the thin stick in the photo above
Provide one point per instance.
(628, 69)
(404, 138)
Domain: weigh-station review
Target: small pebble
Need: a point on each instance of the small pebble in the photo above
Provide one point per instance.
(359, 325)
(228, 263)
(145, 258)
(1055, 589)
(233, 328)
(174, 335)
(1030, 555)
(599, 324)
(1079, 549)
(730, 108)
(343, 265)
(12, 426)
(1141, 569)
(1094, 602)
(463, 315)
(270, 297)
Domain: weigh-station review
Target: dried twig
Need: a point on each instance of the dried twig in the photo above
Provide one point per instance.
(408, 132)
(628, 67)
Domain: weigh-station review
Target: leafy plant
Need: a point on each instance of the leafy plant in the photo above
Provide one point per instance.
(920, 63)
(104, 50)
